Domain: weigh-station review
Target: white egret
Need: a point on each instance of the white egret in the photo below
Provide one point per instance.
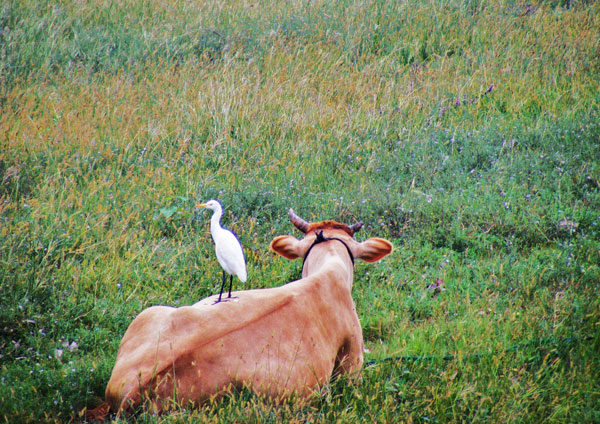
(227, 247)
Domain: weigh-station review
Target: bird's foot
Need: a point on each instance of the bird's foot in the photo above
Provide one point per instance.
(227, 299)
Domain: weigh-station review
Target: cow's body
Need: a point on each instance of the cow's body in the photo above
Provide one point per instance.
(278, 342)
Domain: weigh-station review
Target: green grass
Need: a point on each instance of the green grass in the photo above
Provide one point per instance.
(465, 132)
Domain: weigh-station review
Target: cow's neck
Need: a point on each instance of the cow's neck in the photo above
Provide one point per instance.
(331, 255)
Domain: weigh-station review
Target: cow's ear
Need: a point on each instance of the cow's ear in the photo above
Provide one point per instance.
(373, 249)
(286, 246)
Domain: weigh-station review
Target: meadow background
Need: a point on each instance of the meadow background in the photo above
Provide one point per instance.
(464, 131)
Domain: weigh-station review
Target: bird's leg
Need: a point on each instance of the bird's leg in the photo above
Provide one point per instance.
(222, 287)
(230, 284)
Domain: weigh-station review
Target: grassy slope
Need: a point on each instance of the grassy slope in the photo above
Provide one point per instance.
(114, 122)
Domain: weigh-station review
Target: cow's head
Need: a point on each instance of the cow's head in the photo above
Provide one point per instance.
(370, 250)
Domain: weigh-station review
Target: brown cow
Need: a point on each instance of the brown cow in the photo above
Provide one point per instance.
(277, 342)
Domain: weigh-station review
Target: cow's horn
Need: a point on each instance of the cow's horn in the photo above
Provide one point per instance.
(300, 224)
(355, 227)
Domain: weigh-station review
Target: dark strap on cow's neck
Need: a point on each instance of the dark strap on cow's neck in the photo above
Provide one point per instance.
(320, 239)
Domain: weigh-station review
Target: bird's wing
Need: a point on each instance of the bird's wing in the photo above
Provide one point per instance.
(230, 254)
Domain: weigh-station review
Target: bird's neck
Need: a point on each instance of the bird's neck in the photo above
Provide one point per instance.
(215, 222)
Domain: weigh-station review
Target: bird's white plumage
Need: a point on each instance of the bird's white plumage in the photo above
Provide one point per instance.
(227, 247)
(229, 253)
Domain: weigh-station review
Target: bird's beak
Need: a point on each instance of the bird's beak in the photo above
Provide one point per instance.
(200, 205)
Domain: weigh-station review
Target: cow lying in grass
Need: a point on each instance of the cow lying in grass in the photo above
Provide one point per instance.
(279, 342)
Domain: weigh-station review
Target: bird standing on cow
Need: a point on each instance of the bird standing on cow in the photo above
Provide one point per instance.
(281, 342)
(227, 247)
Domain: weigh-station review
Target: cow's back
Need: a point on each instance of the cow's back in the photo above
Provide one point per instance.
(275, 341)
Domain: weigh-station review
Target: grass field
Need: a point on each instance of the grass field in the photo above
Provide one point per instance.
(466, 132)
